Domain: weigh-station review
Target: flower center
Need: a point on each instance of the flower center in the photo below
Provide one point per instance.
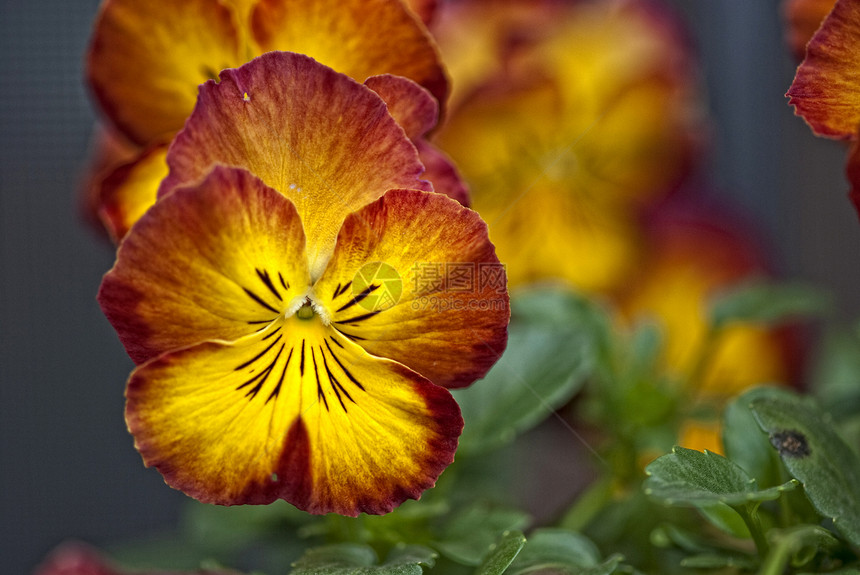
(305, 312)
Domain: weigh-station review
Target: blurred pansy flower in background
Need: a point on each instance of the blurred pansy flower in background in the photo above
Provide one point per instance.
(826, 88)
(586, 118)
(298, 301)
(147, 58)
(695, 253)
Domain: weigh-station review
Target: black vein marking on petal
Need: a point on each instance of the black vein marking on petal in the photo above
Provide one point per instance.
(271, 334)
(336, 291)
(343, 367)
(264, 277)
(277, 390)
(283, 283)
(259, 321)
(258, 356)
(365, 292)
(336, 342)
(352, 337)
(360, 317)
(262, 377)
(341, 290)
(320, 394)
(335, 384)
(302, 364)
(257, 299)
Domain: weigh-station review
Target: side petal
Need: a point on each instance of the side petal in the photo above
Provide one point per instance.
(826, 88)
(297, 412)
(317, 136)
(852, 171)
(414, 278)
(440, 171)
(215, 261)
(130, 190)
(413, 107)
(360, 38)
(146, 59)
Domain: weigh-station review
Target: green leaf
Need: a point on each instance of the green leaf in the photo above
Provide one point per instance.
(550, 353)
(745, 442)
(812, 451)
(556, 547)
(501, 554)
(467, 536)
(691, 478)
(725, 518)
(561, 552)
(767, 303)
(837, 373)
(354, 559)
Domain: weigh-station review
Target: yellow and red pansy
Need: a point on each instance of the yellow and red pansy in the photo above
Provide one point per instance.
(147, 58)
(274, 300)
(802, 20)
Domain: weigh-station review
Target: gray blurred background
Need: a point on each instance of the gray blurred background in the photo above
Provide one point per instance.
(68, 467)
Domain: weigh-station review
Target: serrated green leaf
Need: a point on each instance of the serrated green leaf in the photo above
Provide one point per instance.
(546, 362)
(355, 559)
(812, 451)
(468, 534)
(691, 478)
(502, 553)
(767, 303)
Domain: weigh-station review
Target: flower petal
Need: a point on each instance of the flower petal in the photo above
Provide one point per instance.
(214, 261)
(413, 107)
(146, 59)
(360, 38)
(414, 278)
(852, 171)
(130, 190)
(440, 171)
(318, 137)
(826, 88)
(296, 412)
(417, 112)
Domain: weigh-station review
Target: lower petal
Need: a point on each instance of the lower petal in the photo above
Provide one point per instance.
(296, 412)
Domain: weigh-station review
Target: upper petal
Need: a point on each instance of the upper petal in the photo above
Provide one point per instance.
(802, 19)
(147, 57)
(826, 88)
(297, 412)
(318, 137)
(213, 261)
(414, 278)
(360, 38)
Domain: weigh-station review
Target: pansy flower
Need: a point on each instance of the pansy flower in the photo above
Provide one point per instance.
(147, 58)
(588, 117)
(298, 301)
(826, 89)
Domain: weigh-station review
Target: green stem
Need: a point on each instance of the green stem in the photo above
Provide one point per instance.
(752, 522)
